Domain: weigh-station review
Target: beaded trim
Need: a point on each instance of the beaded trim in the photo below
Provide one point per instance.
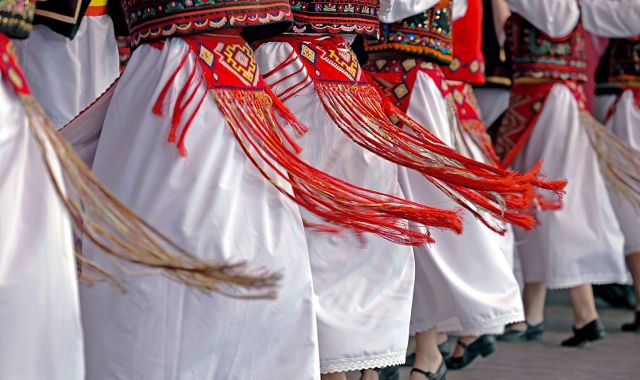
(152, 19)
(427, 35)
(335, 17)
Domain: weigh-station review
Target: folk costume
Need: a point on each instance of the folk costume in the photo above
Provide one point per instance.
(44, 188)
(70, 57)
(192, 141)
(363, 285)
(464, 284)
(467, 69)
(581, 243)
(622, 65)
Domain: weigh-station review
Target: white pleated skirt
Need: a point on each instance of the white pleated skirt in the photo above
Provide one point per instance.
(68, 75)
(624, 123)
(582, 242)
(363, 291)
(216, 204)
(40, 331)
(464, 283)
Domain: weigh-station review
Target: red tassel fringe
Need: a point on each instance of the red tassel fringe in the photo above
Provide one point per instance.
(364, 115)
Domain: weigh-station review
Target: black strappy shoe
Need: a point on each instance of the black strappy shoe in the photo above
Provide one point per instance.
(633, 326)
(441, 373)
(483, 346)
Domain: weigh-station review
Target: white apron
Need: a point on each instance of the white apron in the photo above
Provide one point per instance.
(40, 331)
(464, 283)
(582, 242)
(216, 204)
(68, 75)
(363, 291)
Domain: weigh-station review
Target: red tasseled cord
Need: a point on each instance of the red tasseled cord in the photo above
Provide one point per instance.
(181, 104)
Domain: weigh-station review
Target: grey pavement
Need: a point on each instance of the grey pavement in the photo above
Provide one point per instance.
(617, 357)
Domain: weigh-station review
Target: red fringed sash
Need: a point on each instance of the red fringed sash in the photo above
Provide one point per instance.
(506, 195)
(525, 106)
(458, 96)
(619, 163)
(227, 66)
(365, 116)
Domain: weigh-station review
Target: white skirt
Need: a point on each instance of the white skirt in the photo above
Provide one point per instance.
(363, 292)
(624, 123)
(216, 204)
(464, 283)
(582, 242)
(68, 75)
(40, 331)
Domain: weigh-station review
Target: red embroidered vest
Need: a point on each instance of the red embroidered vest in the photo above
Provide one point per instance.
(468, 60)
(534, 54)
(149, 20)
(624, 60)
(426, 35)
(337, 16)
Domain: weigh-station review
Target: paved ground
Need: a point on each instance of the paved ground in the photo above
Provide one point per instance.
(617, 357)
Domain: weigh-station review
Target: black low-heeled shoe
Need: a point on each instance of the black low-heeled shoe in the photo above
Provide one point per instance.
(590, 332)
(440, 374)
(483, 346)
(633, 326)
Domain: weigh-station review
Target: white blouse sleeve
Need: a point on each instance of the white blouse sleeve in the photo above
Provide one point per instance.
(611, 18)
(459, 8)
(556, 18)
(395, 10)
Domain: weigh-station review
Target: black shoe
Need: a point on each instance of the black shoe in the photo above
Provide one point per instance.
(483, 346)
(633, 326)
(532, 333)
(616, 295)
(535, 332)
(592, 331)
(440, 374)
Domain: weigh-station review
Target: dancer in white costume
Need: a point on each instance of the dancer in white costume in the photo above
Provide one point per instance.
(464, 284)
(363, 286)
(70, 65)
(39, 309)
(619, 21)
(215, 202)
(44, 187)
(581, 244)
